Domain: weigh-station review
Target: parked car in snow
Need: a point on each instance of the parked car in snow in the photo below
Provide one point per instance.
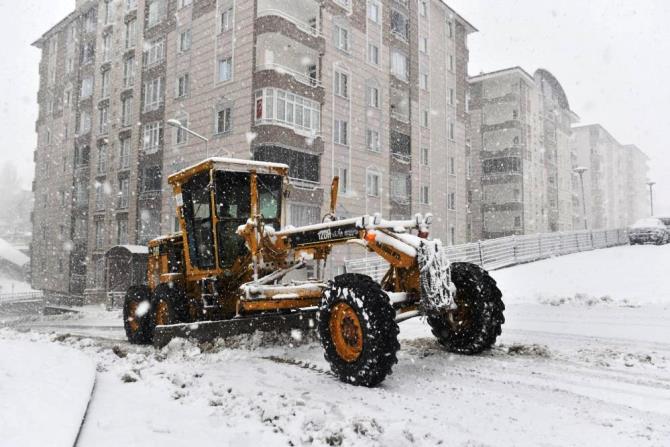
(648, 230)
(665, 220)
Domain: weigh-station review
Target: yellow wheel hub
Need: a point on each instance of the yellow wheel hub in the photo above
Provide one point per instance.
(346, 332)
(162, 313)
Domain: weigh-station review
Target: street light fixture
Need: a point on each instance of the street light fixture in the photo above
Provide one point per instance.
(581, 170)
(176, 123)
(651, 196)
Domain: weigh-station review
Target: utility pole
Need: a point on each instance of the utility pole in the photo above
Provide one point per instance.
(581, 170)
(651, 196)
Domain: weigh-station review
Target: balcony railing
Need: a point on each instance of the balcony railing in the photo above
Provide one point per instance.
(402, 158)
(300, 77)
(304, 183)
(308, 28)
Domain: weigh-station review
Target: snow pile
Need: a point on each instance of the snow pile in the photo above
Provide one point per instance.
(44, 392)
(626, 275)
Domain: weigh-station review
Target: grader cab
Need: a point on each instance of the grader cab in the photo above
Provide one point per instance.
(226, 274)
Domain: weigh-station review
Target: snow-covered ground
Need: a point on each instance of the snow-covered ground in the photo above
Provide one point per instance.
(584, 360)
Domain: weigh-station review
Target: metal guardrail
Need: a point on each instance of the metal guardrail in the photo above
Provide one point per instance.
(8, 298)
(502, 252)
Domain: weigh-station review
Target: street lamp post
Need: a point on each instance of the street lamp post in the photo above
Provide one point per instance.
(180, 126)
(581, 170)
(651, 196)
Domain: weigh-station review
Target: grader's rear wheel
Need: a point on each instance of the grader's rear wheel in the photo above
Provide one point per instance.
(476, 323)
(137, 315)
(358, 330)
(168, 306)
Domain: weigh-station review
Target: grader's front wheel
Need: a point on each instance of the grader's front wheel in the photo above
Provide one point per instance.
(358, 330)
(476, 323)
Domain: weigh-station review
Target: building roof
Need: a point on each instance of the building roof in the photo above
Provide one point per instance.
(502, 72)
(38, 43)
(469, 26)
(558, 88)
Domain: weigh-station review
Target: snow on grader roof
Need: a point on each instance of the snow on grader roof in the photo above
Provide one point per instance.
(231, 164)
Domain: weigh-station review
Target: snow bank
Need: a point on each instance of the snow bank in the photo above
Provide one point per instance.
(626, 275)
(44, 392)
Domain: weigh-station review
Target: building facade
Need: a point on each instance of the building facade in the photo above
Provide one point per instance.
(521, 159)
(615, 179)
(372, 91)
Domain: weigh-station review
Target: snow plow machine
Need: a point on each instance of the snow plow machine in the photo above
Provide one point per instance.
(226, 273)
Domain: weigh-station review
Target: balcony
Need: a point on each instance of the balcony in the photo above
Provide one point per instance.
(304, 183)
(304, 14)
(278, 53)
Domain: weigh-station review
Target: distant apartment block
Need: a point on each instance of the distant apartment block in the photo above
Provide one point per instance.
(615, 180)
(372, 91)
(521, 162)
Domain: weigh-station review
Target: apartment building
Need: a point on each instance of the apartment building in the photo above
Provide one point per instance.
(373, 91)
(521, 159)
(615, 179)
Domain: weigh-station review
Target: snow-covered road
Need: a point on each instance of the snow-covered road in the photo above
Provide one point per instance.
(584, 360)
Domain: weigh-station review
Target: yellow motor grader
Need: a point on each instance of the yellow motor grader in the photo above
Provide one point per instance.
(226, 273)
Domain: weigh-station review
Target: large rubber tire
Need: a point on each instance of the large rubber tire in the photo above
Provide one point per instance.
(139, 329)
(477, 322)
(369, 306)
(168, 306)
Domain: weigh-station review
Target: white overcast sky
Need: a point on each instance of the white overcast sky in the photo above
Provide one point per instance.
(611, 56)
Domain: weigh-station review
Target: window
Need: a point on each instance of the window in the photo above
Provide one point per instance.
(155, 53)
(452, 166)
(301, 165)
(452, 235)
(423, 81)
(452, 133)
(106, 47)
(425, 195)
(341, 84)
(504, 165)
(104, 84)
(373, 97)
(152, 137)
(122, 231)
(184, 3)
(153, 94)
(372, 138)
(127, 111)
(182, 89)
(103, 119)
(181, 136)
(373, 54)
(400, 188)
(425, 118)
(129, 72)
(86, 88)
(288, 109)
(374, 10)
(450, 29)
(131, 4)
(225, 69)
(451, 63)
(223, 120)
(301, 215)
(373, 184)
(84, 125)
(151, 179)
(185, 40)
(149, 223)
(157, 11)
(124, 153)
(451, 201)
(99, 234)
(69, 64)
(517, 221)
(399, 65)
(399, 25)
(102, 159)
(340, 134)
(341, 38)
(423, 8)
(425, 156)
(90, 21)
(343, 174)
(451, 96)
(99, 197)
(124, 192)
(226, 19)
(131, 32)
(423, 45)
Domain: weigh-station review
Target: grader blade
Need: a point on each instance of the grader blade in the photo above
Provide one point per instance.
(304, 321)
